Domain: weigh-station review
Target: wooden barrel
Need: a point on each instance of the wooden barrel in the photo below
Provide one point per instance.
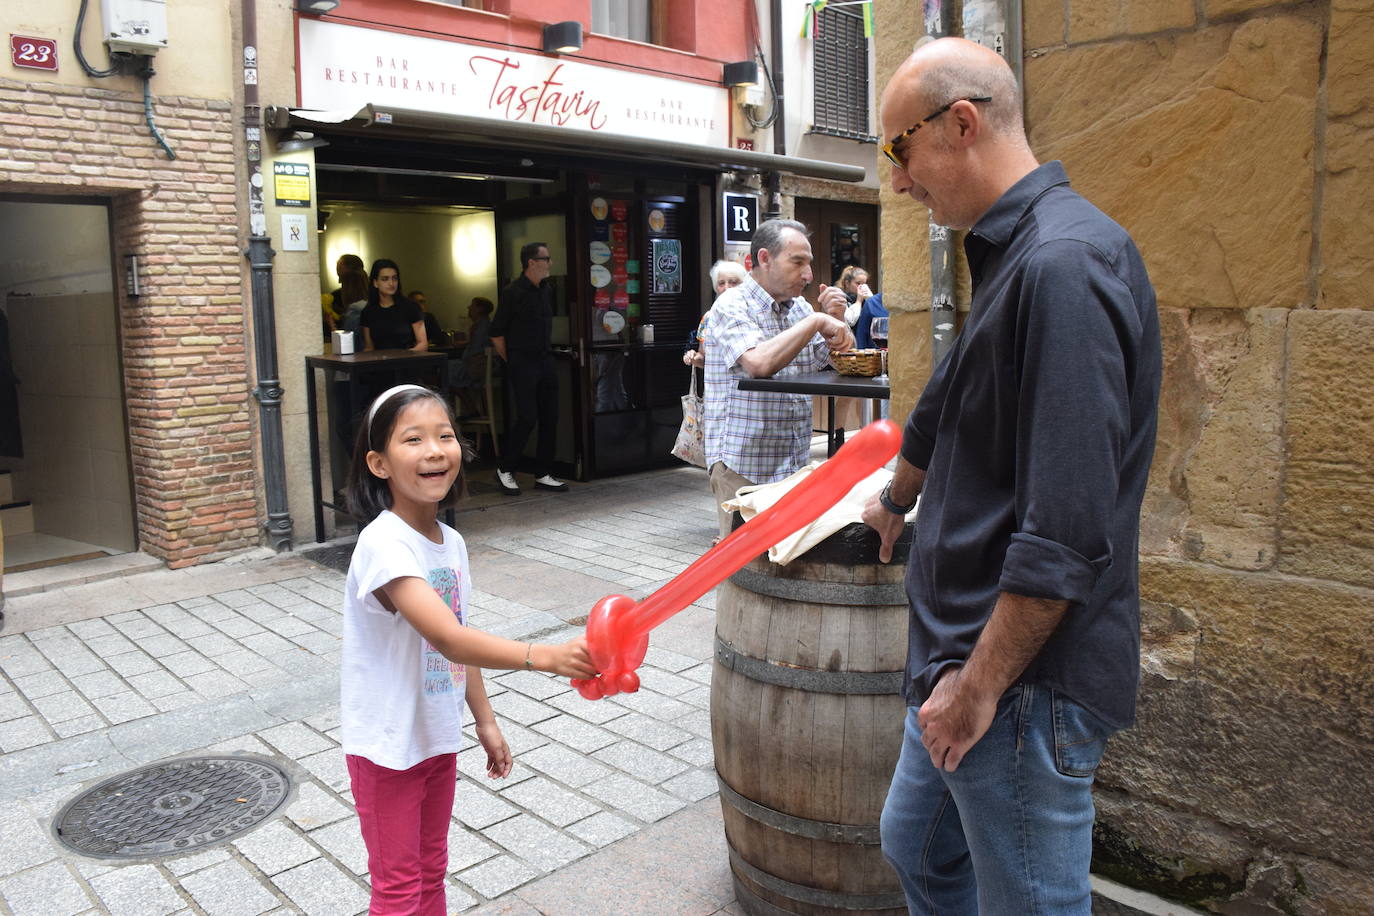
(806, 719)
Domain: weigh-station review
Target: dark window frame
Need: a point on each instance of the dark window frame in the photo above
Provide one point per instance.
(841, 106)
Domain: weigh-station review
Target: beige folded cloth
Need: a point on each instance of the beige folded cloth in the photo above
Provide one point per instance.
(750, 501)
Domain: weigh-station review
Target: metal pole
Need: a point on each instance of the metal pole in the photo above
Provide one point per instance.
(773, 180)
(268, 390)
(940, 16)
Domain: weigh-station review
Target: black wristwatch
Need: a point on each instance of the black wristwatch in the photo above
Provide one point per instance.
(885, 497)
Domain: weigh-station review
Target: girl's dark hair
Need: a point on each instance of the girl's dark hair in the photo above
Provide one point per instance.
(352, 286)
(373, 295)
(369, 495)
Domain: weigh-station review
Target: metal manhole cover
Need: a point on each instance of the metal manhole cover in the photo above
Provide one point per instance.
(173, 807)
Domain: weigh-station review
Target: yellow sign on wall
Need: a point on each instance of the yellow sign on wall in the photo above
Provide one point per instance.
(291, 184)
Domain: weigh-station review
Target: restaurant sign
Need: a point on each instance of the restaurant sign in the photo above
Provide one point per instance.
(343, 68)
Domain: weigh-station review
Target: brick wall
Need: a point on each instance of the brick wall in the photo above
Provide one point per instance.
(186, 373)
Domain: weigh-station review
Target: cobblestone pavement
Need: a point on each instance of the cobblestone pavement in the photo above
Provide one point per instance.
(611, 806)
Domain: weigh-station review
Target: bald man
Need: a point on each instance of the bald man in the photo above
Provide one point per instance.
(1030, 448)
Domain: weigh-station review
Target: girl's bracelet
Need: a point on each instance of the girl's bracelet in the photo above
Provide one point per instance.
(529, 650)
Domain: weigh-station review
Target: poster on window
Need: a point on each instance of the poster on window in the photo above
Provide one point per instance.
(667, 266)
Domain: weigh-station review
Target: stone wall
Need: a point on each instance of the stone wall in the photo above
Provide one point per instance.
(183, 340)
(1235, 140)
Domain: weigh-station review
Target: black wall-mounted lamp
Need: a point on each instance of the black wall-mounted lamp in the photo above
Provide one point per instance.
(563, 37)
(741, 73)
(297, 140)
(316, 7)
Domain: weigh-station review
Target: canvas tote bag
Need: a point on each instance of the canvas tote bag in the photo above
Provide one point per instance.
(691, 438)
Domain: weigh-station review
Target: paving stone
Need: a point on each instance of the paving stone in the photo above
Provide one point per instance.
(138, 627)
(466, 848)
(698, 722)
(669, 660)
(536, 842)
(324, 721)
(229, 889)
(496, 876)
(521, 709)
(12, 706)
(575, 733)
(179, 700)
(49, 890)
(123, 707)
(650, 703)
(197, 862)
(187, 627)
(215, 684)
(640, 762)
(457, 899)
(534, 684)
(265, 643)
(137, 889)
(213, 644)
(185, 663)
(156, 684)
(112, 644)
(699, 696)
(567, 767)
(242, 662)
(78, 726)
(318, 642)
(698, 752)
(129, 664)
(236, 626)
(274, 847)
(75, 663)
(598, 712)
(319, 888)
(289, 626)
(22, 660)
(296, 740)
(99, 684)
(664, 682)
(91, 629)
(634, 798)
(198, 601)
(658, 735)
(602, 829)
(344, 841)
(42, 684)
(17, 734)
(25, 843)
(480, 809)
(693, 785)
(554, 804)
(236, 598)
(314, 807)
(329, 767)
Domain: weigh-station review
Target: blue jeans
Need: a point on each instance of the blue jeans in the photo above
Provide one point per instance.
(1009, 831)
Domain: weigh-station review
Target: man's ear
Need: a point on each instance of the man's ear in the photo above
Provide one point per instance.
(969, 120)
(376, 463)
(764, 257)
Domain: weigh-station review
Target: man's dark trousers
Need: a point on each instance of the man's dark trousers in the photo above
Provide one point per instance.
(533, 382)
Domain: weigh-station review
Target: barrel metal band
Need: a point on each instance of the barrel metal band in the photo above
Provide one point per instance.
(852, 834)
(814, 592)
(813, 895)
(811, 680)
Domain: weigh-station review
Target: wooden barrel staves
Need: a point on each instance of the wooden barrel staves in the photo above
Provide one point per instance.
(806, 719)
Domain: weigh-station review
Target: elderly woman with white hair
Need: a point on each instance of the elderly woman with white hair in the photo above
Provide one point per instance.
(724, 274)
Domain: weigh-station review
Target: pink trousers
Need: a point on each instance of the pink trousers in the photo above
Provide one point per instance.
(405, 816)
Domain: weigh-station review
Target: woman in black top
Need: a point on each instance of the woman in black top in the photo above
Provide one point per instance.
(391, 321)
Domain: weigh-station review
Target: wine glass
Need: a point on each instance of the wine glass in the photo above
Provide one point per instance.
(878, 330)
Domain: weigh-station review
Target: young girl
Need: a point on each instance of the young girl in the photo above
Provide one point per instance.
(409, 661)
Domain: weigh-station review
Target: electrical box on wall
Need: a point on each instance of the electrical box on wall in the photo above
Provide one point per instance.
(135, 26)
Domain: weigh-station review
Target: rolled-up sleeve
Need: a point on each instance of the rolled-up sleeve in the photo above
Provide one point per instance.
(1074, 328)
(733, 330)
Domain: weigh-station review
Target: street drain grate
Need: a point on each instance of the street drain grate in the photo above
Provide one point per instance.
(173, 807)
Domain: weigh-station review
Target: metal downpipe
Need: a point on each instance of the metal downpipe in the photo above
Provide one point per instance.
(268, 389)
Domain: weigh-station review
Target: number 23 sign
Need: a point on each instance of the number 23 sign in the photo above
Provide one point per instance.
(38, 53)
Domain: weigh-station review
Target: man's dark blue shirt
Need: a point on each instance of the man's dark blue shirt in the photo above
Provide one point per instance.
(1036, 434)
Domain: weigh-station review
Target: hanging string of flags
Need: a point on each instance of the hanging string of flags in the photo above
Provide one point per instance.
(815, 6)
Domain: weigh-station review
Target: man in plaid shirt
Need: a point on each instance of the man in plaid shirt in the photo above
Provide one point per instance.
(763, 328)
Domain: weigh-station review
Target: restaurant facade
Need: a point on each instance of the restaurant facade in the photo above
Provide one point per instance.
(442, 136)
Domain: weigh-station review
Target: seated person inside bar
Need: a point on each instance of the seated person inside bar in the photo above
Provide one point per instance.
(436, 335)
(391, 321)
(469, 374)
(353, 294)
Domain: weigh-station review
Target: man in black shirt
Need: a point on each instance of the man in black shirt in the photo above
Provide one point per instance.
(521, 335)
(1030, 448)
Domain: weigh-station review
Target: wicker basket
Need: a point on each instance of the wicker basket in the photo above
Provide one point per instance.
(858, 362)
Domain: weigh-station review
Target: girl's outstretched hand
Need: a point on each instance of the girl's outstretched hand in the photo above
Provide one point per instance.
(571, 659)
(498, 752)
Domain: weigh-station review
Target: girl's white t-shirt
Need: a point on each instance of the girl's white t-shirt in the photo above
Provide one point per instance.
(402, 701)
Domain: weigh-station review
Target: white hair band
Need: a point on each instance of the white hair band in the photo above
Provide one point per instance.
(385, 396)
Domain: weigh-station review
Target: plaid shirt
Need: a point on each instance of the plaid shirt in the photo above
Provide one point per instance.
(761, 435)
